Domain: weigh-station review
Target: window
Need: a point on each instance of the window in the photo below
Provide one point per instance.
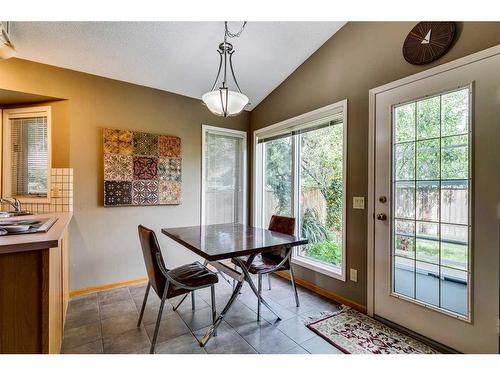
(223, 176)
(26, 154)
(431, 195)
(300, 172)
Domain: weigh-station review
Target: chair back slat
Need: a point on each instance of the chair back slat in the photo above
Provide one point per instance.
(150, 247)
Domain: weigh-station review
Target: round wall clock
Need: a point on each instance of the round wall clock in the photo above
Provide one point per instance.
(428, 41)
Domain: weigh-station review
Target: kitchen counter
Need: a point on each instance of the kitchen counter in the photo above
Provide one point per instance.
(34, 287)
(36, 241)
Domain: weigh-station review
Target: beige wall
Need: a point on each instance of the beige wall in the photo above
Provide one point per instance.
(361, 56)
(104, 244)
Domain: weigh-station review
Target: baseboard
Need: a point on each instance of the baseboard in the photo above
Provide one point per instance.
(324, 292)
(100, 288)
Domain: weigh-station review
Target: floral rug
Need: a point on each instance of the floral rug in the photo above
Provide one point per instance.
(355, 333)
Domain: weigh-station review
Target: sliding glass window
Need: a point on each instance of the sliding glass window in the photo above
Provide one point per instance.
(300, 172)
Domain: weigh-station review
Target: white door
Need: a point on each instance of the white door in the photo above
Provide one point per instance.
(436, 203)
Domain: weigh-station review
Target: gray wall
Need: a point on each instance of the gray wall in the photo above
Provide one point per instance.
(361, 56)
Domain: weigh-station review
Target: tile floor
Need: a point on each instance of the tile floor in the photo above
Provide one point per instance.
(106, 323)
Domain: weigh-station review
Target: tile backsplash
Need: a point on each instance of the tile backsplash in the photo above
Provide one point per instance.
(61, 194)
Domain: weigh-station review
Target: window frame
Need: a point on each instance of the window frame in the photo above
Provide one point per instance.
(231, 132)
(258, 178)
(5, 146)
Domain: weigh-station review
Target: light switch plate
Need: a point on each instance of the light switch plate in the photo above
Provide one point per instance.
(353, 275)
(358, 203)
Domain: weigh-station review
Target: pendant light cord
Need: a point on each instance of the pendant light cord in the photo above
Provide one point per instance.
(5, 32)
(233, 35)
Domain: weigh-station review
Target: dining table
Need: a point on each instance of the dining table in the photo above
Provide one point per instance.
(240, 244)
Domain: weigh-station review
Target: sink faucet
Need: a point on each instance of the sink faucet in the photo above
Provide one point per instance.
(14, 202)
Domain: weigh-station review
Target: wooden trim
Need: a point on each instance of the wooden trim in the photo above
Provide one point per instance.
(100, 288)
(323, 292)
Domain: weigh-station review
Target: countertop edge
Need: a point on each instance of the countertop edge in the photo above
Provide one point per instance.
(37, 241)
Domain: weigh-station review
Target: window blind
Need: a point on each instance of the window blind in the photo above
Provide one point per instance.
(223, 178)
(300, 128)
(29, 156)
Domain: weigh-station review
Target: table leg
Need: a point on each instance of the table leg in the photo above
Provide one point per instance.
(248, 278)
(234, 295)
(236, 291)
(214, 326)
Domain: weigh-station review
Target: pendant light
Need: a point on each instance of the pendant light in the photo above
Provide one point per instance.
(7, 49)
(224, 101)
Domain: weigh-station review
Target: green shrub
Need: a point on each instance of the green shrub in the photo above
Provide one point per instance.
(328, 252)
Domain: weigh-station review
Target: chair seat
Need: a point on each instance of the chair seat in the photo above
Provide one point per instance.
(193, 275)
(265, 264)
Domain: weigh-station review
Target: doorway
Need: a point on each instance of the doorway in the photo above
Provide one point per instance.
(434, 195)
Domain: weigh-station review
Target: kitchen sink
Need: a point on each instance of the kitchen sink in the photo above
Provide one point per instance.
(24, 226)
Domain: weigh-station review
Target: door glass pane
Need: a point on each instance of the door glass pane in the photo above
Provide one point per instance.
(224, 174)
(405, 161)
(455, 202)
(404, 244)
(404, 276)
(427, 283)
(404, 200)
(455, 157)
(428, 159)
(405, 123)
(454, 240)
(455, 112)
(321, 193)
(428, 118)
(427, 242)
(277, 196)
(431, 220)
(428, 200)
(454, 290)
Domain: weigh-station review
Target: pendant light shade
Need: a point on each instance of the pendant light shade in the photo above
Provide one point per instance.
(224, 101)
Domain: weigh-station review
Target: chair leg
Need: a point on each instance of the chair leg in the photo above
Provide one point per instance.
(259, 290)
(292, 279)
(193, 306)
(269, 280)
(158, 320)
(214, 308)
(182, 300)
(144, 304)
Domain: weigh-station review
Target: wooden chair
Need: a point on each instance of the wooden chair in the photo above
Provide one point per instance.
(170, 283)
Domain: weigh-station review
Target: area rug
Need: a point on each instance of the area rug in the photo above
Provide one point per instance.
(355, 333)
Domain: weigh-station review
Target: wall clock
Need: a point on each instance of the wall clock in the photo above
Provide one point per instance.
(428, 41)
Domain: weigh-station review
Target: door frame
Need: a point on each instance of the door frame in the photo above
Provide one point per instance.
(372, 97)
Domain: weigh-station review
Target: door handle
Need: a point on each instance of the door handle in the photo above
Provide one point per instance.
(381, 217)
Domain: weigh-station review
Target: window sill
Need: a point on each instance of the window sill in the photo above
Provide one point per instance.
(331, 271)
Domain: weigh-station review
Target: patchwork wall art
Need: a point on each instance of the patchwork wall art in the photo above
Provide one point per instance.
(141, 169)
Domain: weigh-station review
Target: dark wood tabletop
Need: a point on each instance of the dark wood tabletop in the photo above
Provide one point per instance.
(225, 241)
